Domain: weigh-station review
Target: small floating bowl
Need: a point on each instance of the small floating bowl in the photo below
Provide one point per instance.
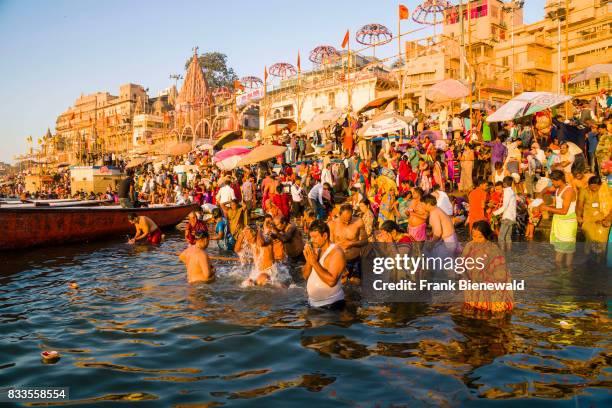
(50, 357)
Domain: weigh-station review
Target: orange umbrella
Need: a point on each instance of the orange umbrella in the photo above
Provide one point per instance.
(179, 149)
(240, 143)
(262, 153)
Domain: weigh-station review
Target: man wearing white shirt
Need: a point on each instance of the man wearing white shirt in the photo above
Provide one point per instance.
(225, 194)
(443, 202)
(508, 213)
(297, 207)
(326, 175)
(315, 198)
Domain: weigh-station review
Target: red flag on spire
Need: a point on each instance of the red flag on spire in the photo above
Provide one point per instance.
(346, 39)
(299, 66)
(238, 85)
(403, 12)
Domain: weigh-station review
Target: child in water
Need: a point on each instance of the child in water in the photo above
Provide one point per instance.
(196, 259)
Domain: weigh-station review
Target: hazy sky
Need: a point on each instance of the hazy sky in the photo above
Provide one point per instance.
(54, 50)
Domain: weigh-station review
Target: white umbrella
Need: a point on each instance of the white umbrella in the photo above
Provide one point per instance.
(386, 123)
(594, 71)
(322, 120)
(527, 104)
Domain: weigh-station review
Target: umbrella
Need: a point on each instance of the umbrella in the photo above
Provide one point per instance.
(594, 71)
(527, 104)
(432, 134)
(275, 129)
(136, 162)
(322, 120)
(378, 103)
(203, 144)
(227, 159)
(261, 153)
(386, 123)
(240, 143)
(447, 90)
(179, 149)
(224, 136)
(573, 148)
(282, 121)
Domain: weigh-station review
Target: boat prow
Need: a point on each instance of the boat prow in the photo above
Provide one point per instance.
(25, 227)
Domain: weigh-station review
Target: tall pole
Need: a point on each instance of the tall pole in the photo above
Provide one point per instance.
(400, 73)
(462, 63)
(469, 55)
(298, 94)
(512, 41)
(559, 86)
(348, 79)
(566, 55)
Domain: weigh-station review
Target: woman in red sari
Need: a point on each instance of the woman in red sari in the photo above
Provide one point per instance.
(491, 269)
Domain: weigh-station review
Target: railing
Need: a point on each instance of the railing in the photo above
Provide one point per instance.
(591, 87)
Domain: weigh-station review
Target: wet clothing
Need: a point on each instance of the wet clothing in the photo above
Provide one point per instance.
(154, 237)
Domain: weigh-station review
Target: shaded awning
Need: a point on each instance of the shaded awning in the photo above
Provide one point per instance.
(322, 120)
(136, 162)
(377, 103)
(282, 121)
(240, 143)
(262, 153)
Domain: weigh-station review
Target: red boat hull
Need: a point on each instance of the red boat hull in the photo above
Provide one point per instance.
(29, 227)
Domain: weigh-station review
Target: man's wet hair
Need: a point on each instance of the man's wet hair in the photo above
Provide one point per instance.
(346, 207)
(557, 175)
(132, 216)
(319, 226)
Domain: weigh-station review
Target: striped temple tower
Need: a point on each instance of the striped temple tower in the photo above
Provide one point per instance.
(194, 104)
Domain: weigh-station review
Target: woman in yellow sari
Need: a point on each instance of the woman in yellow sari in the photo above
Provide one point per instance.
(594, 213)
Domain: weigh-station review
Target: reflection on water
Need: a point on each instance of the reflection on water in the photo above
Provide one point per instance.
(134, 331)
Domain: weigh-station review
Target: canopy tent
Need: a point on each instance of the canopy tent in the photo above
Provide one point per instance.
(262, 153)
(282, 121)
(135, 162)
(527, 104)
(276, 129)
(594, 71)
(378, 103)
(322, 120)
(447, 90)
(385, 123)
(225, 136)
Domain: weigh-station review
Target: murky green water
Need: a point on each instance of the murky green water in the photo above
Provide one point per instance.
(135, 332)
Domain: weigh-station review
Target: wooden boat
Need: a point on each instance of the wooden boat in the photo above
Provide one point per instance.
(55, 203)
(44, 226)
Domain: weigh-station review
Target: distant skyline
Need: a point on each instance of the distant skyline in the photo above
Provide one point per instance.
(54, 51)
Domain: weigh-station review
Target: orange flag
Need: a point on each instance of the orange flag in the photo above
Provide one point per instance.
(238, 85)
(403, 12)
(299, 66)
(346, 39)
(265, 74)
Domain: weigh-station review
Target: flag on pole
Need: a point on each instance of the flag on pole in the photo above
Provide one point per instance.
(265, 74)
(299, 66)
(238, 85)
(403, 12)
(345, 41)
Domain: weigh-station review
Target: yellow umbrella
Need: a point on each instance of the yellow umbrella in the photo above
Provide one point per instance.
(224, 136)
(240, 143)
(262, 153)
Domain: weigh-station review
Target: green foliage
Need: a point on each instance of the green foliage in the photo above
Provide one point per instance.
(216, 71)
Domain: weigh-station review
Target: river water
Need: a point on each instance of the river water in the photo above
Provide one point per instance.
(135, 332)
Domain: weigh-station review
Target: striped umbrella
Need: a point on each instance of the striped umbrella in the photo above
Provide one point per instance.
(227, 159)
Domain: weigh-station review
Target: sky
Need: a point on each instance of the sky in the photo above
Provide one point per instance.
(52, 51)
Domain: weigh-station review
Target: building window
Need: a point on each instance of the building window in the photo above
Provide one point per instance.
(571, 58)
(505, 61)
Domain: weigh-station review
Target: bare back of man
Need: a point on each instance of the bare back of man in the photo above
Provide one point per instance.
(441, 224)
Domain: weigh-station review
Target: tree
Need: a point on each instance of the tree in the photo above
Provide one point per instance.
(216, 71)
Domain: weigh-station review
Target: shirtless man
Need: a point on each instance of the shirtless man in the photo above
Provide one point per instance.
(417, 216)
(196, 259)
(145, 228)
(325, 264)
(267, 250)
(442, 227)
(349, 233)
(290, 236)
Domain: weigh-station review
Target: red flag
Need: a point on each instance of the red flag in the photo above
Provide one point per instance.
(403, 12)
(299, 66)
(238, 85)
(346, 39)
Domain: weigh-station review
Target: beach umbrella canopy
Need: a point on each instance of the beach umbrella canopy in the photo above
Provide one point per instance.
(261, 153)
(227, 159)
(224, 136)
(447, 90)
(240, 143)
(386, 123)
(527, 104)
(594, 71)
(179, 149)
